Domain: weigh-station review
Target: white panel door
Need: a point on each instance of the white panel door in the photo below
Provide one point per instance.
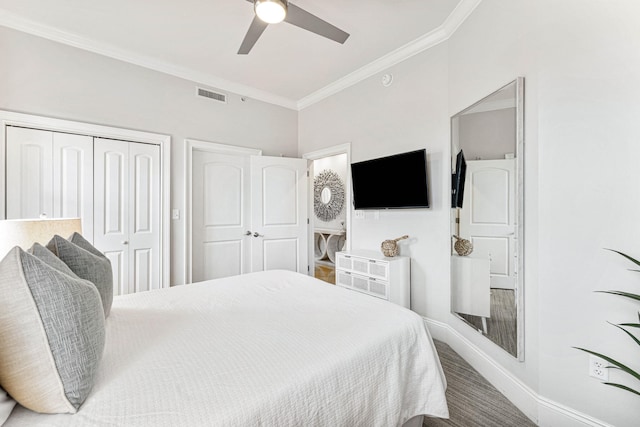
(488, 217)
(73, 179)
(127, 212)
(111, 215)
(279, 213)
(50, 173)
(144, 217)
(220, 215)
(29, 185)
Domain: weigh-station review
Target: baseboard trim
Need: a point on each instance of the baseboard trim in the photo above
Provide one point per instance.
(542, 411)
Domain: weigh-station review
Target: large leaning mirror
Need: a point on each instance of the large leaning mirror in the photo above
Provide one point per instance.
(487, 217)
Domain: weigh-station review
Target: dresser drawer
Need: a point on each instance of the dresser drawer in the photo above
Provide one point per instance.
(364, 266)
(367, 285)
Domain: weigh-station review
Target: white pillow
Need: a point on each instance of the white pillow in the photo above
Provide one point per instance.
(6, 406)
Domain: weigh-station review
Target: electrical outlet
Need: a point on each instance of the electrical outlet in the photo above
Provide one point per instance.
(598, 368)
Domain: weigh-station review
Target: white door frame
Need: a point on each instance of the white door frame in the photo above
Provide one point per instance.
(212, 147)
(319, 154)
(10, 118)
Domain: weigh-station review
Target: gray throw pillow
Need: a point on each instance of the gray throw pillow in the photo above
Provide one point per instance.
(52, 333)
(90, 265)
(44, 254)
(84, 244)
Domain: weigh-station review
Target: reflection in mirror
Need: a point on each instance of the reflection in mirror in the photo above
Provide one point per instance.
(486, 215)
(325, 196)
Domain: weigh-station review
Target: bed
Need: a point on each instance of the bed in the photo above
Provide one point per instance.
(274, 348)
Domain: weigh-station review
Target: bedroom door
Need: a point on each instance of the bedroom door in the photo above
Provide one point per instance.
(220, 215)
(248, 213)
(488, 218)
(127, 224)
(279, 214)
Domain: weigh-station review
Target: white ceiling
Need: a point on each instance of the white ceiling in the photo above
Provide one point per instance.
(198, 39)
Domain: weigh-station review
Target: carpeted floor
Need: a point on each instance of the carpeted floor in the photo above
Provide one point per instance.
(501, 326)
(473, 402)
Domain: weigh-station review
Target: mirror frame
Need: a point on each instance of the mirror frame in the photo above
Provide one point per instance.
(328, 180)
(519, 82)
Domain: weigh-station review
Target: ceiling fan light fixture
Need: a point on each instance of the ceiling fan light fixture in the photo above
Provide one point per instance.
(271, 11)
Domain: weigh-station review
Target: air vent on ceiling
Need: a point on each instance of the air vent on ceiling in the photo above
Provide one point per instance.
(205, 93)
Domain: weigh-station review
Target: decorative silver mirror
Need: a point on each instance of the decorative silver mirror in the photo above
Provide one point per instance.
(328, 195)
(487, 217)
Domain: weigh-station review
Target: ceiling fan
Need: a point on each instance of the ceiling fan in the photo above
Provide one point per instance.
(275, 11)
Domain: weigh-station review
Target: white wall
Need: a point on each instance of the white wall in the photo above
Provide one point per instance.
(588, 96)
(45, 78)
(380, 121)
(581, 62)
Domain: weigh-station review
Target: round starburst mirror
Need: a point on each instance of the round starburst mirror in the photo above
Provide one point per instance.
(328, 195)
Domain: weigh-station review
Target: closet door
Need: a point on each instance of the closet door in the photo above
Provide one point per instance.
(144, 217)
(50, 173)
(111, 215)
(127, 212)
(29, 185)
(73, 179)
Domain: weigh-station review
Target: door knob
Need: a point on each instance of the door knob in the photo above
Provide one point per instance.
(125, 242)
(256, 234)
(248, 233)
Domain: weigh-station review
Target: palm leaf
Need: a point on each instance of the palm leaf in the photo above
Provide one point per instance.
(633, 337)
(635, 261)
(630, 325)
(623, 294)
(617, 364)
(624, 387)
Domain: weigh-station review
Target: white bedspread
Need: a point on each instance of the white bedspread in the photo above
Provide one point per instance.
(263, 349)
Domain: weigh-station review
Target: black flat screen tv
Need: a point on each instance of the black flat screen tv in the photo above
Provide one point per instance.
(394, 182)
(457, 181)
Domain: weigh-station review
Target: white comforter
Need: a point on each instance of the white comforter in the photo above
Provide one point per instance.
(263, 349)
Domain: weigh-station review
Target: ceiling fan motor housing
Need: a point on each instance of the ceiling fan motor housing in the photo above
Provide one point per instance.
(271, 11)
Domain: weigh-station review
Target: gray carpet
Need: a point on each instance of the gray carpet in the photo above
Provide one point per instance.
(473, 402)
(501, 326)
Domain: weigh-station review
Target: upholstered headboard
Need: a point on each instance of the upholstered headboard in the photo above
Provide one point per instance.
(26, 232)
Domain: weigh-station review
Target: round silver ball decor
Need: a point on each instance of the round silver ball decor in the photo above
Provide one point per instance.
(328, 210)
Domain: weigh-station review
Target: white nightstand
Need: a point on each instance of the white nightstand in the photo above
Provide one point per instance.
(374, 274)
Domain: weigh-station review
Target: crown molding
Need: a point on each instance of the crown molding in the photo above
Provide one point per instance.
(431, 39)
(19, 23)
(427, 41)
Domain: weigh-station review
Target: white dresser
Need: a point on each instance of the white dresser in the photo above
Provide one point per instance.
(372, 273)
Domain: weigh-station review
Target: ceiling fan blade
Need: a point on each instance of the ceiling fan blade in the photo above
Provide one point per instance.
(253, 34)
(307, 21)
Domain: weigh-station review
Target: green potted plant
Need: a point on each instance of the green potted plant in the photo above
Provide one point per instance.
(623, 327)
